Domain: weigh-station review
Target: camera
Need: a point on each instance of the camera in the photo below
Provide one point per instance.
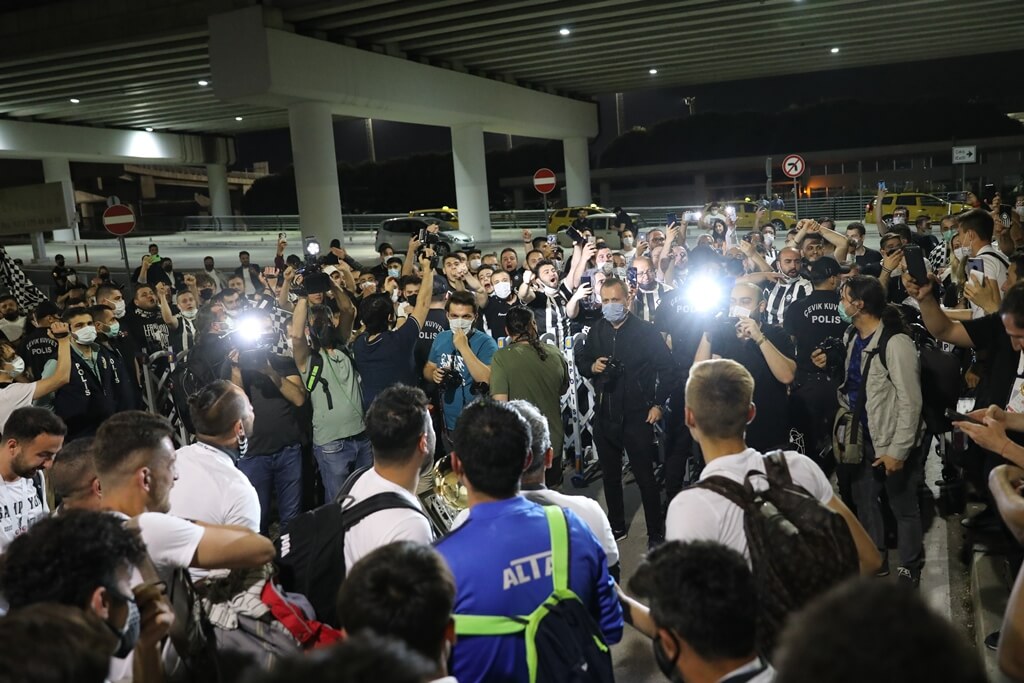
(613, 369)
(451, 379)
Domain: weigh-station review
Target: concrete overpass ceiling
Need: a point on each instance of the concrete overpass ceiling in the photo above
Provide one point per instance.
(139, 64)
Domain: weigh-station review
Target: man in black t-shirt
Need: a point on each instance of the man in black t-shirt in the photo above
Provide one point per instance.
(144, 322)
(766, 351)
(497, 305)
(810, 321)
(868, 260)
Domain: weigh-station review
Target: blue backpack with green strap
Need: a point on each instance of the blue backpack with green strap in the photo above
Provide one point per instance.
(563, 642)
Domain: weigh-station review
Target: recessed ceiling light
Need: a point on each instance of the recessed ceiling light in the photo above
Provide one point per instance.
(564, 31)
(74, 100)
(238, 118)
(835, 50)
(203, 82)
(149, 129)
(652, 71)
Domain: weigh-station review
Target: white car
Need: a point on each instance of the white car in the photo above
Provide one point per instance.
(397, 231)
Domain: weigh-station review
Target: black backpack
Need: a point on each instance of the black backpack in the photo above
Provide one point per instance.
(799, 548)
(311, 551)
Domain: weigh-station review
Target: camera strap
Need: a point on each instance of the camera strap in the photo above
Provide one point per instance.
(316, 368)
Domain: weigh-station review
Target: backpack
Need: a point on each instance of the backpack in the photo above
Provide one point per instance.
(799, 548)
(311, 551)
(563, 642)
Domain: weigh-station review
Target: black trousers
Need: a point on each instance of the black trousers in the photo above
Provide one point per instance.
(679, 449)
(813, 406)
(634, 436)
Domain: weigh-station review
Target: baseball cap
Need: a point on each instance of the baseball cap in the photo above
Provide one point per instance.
(46, 308)
(822, 269)
(329, 270)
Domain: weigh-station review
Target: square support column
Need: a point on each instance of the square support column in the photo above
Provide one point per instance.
(316, 171)
(220, 193)
(58, 170)
(471, 181)
(577, 171)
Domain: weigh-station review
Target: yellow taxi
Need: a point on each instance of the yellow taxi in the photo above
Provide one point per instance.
(916, 204)
(445, 213)
(560, 219)
(744, 211)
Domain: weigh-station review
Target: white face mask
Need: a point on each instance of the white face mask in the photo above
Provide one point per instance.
(72, 278)
(474, 264)
(86, 335)
(189, 314)
(458, 324)
(768, 237)
(739, 312)
(962, 252)
(119, 308)
(17, 366)
(627, 242)
(502, 290)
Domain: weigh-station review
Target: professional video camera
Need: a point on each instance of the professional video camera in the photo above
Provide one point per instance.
(314, 281)
(253, 335)
(429, 240)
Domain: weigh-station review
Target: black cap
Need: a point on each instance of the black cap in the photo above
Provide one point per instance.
(822, 269)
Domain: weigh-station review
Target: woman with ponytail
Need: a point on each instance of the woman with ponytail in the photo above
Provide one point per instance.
(531, 370)
(880, 445)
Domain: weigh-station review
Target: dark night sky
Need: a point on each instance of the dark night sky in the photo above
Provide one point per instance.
(966, 78)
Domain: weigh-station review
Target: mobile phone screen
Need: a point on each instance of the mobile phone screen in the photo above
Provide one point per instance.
(881, 185)
(552, 239)
(671, 218)
(976, 269)
(954, 416)
(631, 276)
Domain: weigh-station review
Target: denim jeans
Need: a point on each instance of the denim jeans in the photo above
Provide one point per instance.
(280, 472)
(338, 459)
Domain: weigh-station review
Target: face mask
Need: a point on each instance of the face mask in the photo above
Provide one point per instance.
(846, 317)
(104, 276)
(394, 272)
(665, 665)
(86, 335)
(231, 314)
(17, 366)
(962, 252)
(119, 308)
(128, 636)
(613, 312)
(411, 299)
(72, 278)
(947, 235)
(367, 285)
(227, 324)
(619, 273)
(189, 315)
(502, 290)
(206, 294)
(115, 329)
(460, 325)
(897, 272)
(474, 264)
(627, 242)
(769, 237)
(740, 312)
(12, 316)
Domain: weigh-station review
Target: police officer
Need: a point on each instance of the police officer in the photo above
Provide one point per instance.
(810, 322)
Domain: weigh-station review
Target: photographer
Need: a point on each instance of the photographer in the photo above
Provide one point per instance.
(634, 375)
(460, 358)
(766, 351)
(329, 373)
(879, 441)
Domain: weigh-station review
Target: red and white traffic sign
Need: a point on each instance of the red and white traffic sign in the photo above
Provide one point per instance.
(544, 180)
(793, 166)
(119, 219)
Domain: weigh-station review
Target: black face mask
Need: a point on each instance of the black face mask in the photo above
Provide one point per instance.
(104, 276)
(665, 665)
(411, 300)
(206, 294)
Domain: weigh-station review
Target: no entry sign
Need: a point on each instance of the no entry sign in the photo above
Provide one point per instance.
(544, 180)
(119, 219)
(793, 166)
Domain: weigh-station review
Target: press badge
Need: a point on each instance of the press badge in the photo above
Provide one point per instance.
(1016, 402)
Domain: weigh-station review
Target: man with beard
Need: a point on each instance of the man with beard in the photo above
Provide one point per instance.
(649, 292)
(791, 287)
(144, 323)
(12, 326)
(766, 351)
(210, 487)
(403, 440)
(548, 297)
(31, 437)
(496, 306)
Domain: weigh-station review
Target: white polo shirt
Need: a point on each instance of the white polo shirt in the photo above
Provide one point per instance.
(587, 509)
(386, 526)
(697, 514)
(995, 269)
(211, 489)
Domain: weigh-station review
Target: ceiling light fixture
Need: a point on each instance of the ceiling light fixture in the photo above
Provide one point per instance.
(203, 82)
(149, 129)
(74, 100)
(652, 71)
(835, 50)
(238, 118)
(564, 31)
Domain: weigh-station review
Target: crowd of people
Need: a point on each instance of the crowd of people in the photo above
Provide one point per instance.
(427, 397)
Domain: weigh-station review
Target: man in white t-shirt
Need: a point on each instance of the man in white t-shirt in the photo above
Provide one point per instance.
(15, 394)
(31, 437)
(976, 229)
(403, 440)
(718, 409)
(532, 487)
(135, 463)
(210, 486)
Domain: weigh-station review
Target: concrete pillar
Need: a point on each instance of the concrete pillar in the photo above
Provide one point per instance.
(58, 170)
(577, 171)
(316, 171)
(471, 181)
(220, 193)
